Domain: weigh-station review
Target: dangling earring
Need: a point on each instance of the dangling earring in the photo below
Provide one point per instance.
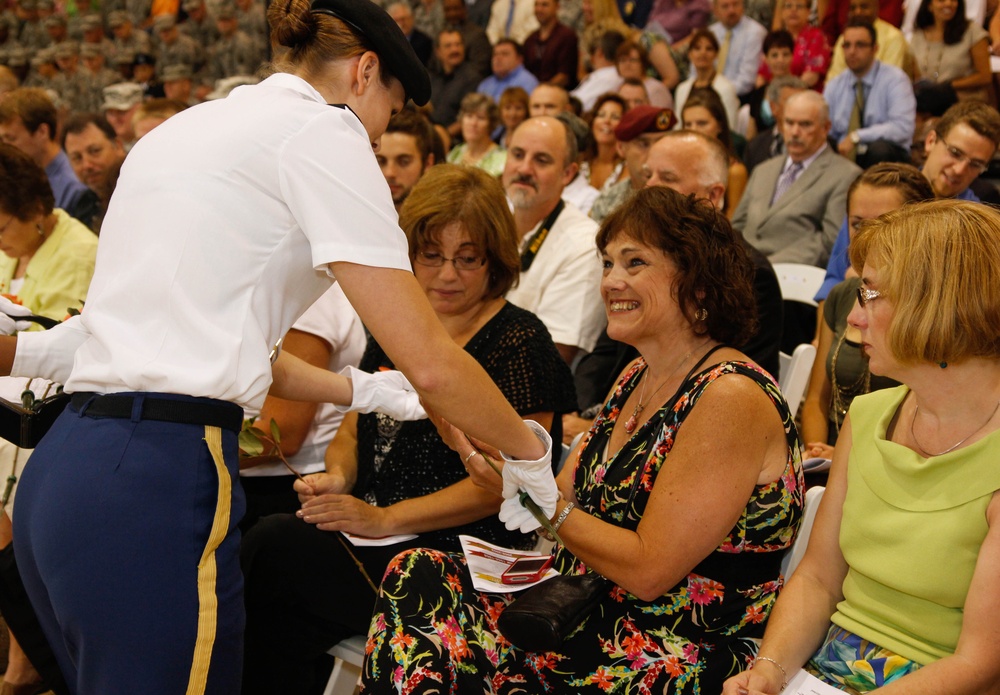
(41, 232)
(701, 314)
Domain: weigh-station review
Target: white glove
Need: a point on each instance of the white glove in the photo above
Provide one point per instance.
(533, 477)
(8, 309)
(385, 392)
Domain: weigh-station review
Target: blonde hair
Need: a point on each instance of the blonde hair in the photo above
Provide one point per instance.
(937, 264)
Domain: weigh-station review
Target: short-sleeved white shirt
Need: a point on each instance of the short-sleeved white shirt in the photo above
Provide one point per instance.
(218, 238)
(333, 319)
(563, 285)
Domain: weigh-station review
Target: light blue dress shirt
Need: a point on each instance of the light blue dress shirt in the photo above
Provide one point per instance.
(890, 107)
(518, 77)
(836, 269)
(744, 54)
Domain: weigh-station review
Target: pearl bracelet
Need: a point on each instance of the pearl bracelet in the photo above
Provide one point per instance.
(784, 675)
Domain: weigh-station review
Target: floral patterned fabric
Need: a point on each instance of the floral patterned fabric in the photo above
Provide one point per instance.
(856, 665)
(433, 633)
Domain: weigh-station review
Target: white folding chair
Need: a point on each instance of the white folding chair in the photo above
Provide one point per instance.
(742, 120)
(350, 653)
(793, 374)
(799, 282)
(794, 554)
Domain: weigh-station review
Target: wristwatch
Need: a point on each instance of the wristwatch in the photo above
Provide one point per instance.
(855, 137)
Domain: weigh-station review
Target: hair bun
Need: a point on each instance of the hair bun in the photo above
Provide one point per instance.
(293, 24)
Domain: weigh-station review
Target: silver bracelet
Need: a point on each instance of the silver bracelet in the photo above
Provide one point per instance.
(562, 516)
(473, 453)
(784, 676)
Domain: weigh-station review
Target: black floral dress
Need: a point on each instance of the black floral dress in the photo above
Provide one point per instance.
(433, 633)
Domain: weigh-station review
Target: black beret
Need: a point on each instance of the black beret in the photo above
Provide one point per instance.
(386, 39)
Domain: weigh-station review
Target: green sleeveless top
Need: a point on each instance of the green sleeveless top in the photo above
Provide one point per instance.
(911, 533)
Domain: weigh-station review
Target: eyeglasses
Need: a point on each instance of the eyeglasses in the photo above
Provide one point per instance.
(7, 224)
(977, 165)
(436, 260)
(847, 45)
(865, 295)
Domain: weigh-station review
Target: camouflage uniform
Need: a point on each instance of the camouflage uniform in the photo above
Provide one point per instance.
(72, 89)
(204, 32)
(609, 200)
(234, 55)
(33, 36)
(184, 50)
(253, 23)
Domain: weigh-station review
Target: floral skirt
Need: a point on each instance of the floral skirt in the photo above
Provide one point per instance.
(856, 665)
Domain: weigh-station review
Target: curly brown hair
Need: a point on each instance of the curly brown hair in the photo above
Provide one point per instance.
(714, 270)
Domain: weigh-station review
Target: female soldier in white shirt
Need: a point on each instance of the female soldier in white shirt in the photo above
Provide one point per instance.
(228, 222)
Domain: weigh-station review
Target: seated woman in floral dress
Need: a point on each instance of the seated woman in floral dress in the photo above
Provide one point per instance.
(304, 590)
(693, 561)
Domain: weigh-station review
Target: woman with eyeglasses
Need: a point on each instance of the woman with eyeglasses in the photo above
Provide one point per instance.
(385, 477)
(840, 372)
(684, 495)
(899, 588)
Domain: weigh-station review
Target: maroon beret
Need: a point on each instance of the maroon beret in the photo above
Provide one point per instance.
(644, 119)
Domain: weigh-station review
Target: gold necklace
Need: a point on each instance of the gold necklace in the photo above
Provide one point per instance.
(844, 395)
(960, 442)
(633, 421)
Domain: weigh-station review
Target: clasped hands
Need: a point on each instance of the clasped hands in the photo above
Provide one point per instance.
(329, 506)
(516, 476)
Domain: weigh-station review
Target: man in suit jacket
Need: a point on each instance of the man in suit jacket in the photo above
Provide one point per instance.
(793, 205)
(770, 142)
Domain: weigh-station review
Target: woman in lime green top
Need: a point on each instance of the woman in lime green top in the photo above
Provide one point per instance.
(904, 557)
(48, 257)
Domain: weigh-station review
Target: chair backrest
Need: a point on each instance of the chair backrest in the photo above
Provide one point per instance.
(793, 374)
(799, 282)
(794, 554)
(742, 120)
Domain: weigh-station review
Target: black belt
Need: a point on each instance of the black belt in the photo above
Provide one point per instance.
(187, 411)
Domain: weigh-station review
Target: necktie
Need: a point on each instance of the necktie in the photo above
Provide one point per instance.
(858, 112)
(510, 19)
(786, 180)
(720, 60)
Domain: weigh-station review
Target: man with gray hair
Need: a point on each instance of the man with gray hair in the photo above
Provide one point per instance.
(560, 270)
(689, 162)
(770, 143)
(793, 206)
